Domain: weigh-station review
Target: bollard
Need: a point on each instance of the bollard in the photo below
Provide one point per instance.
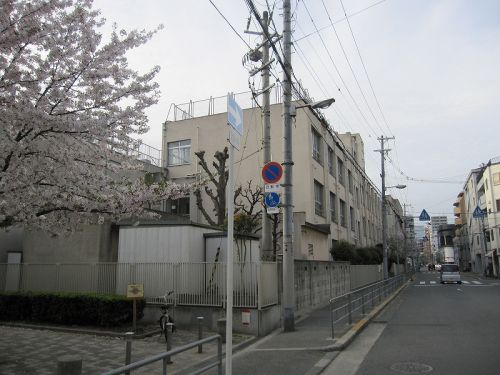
(200, 333)
(169, 341)
(128, 349)
(221, 329)
(69, 365)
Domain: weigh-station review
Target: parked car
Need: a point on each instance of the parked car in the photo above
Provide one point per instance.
(450, 274)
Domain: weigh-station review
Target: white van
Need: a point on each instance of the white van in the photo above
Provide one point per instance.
(450, 274)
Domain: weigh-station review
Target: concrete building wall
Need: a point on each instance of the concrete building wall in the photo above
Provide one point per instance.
(209, 134)
(90, 243)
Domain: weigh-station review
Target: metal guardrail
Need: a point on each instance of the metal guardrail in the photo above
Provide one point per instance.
(166, 356)
(352, 306)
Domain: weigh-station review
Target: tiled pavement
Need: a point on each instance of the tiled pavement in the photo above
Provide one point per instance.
(35, 351)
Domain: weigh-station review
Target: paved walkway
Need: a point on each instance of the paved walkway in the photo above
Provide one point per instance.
(307, 350)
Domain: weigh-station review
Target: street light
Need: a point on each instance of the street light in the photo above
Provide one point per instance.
(384, 225)
(322, 104)
(289, 111)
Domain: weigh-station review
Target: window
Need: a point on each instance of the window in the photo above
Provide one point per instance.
(318, 198)
(340, 168)
(498, 204)
(331, 161)
(496, 179)
(177, 206)
(353, 221)
(316, 146)
(492, 236)
(349, 180)
(179, 152)
(333, 208)
(342, 213)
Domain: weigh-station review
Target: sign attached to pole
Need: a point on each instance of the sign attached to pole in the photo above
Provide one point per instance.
(272, 199)
(478, 213)
(235, 121)
(424, 216)
(272, 172)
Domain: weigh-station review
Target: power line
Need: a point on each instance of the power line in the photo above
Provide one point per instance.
(343, 19)
(349, 63)
(364, 66)
(231, 26)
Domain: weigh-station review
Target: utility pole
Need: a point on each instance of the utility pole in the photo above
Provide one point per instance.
(288, 254)
(383, 152)
(266, 122)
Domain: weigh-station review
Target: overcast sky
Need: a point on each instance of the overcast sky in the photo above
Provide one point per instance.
(434, 66)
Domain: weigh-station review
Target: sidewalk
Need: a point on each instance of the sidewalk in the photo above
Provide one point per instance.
(307, 350)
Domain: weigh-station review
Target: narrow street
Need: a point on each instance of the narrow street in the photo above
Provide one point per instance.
(430, 328)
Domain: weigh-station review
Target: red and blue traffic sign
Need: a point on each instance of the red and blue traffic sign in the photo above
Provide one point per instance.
(272, 172)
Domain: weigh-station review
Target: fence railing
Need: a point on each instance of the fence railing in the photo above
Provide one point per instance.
(165, 358)
(351, 307)
(198, 284)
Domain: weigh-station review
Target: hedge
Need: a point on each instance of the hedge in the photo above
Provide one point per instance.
(102, 310)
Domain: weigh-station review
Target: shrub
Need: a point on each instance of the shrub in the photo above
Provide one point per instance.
(68, 308)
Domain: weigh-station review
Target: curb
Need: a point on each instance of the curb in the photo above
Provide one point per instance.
(350, 335)
(334, 350)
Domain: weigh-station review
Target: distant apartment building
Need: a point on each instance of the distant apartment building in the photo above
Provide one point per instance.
(482, 192)
(436, 221)
(333, 197)
(461, 238)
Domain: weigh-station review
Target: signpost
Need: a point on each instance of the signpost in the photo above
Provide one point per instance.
(135, 291)
(271, 174)
(478, 213)
(424, 216)
(235, 122)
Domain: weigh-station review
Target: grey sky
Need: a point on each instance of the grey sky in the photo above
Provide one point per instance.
(434, 66)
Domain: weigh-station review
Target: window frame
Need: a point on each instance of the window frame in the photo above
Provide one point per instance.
(179, 148)
(319, 205)
(316, 146)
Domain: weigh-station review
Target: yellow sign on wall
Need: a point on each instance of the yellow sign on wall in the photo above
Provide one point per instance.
(135, 291)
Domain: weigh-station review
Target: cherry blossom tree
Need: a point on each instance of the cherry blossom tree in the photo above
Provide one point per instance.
(70, 109)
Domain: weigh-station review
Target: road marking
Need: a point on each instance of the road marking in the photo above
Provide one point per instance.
(433, 282)
(466, 282)
(476, 282)
(422, 282)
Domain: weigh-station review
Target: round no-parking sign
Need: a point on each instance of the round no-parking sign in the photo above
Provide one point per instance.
(272, 172)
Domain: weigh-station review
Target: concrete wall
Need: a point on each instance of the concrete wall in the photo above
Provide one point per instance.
(261, 321)
(91, 243)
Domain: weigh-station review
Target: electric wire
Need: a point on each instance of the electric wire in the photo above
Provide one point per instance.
(231, 26)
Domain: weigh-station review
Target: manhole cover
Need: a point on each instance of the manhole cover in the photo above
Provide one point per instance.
(411, 368)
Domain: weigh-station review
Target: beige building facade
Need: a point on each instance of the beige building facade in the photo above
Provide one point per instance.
(482, 189)
(333, 197)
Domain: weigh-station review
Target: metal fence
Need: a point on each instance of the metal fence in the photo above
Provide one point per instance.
(351, 307)
(195, 284)
(165, 358)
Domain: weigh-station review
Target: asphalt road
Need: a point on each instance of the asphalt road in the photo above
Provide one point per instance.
(430, 329)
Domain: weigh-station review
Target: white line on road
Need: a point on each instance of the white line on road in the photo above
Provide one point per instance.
(349, 360)
(422, 282)
(476, 282)
(433, 282)
(466, 282)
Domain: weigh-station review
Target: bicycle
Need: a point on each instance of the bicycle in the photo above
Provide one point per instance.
(165, 316)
